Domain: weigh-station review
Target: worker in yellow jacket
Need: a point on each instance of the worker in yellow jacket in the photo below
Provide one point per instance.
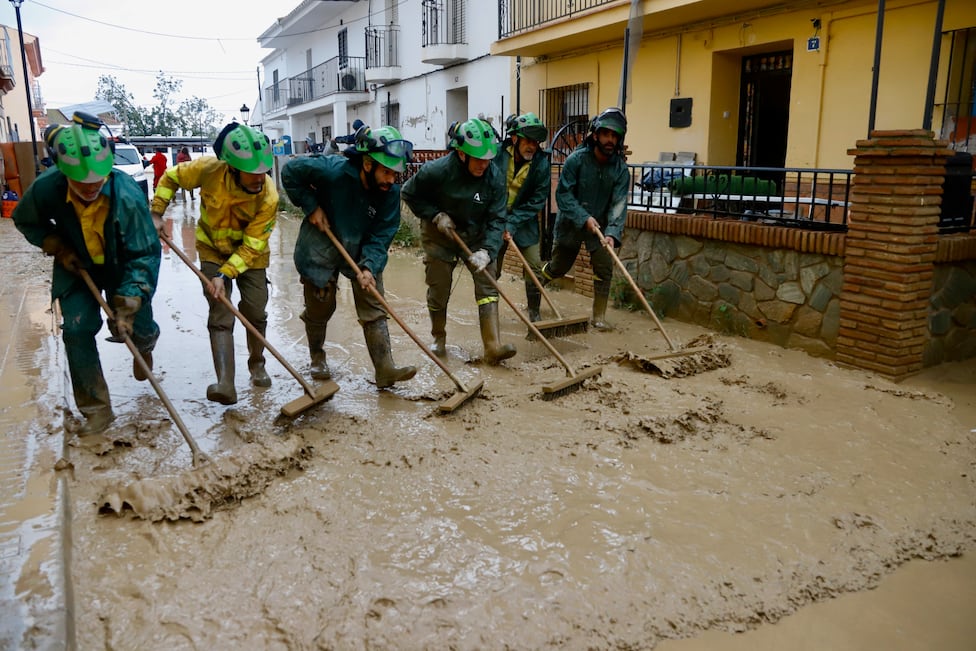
(238, 212)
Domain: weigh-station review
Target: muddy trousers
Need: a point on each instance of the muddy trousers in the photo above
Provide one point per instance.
(533, 297)
(563, 258)
(253, 286)
(439, 275)
(82, 319)
(320, 305)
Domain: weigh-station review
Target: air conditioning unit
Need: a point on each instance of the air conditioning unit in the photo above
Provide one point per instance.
(347, 81)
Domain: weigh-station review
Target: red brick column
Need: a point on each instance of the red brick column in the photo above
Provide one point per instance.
(890, 250)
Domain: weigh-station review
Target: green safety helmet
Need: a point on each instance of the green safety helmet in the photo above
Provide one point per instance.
(474, 137)
(244, 148)
(528, 125)
(612, 118)
(80, 150)
(386, 146)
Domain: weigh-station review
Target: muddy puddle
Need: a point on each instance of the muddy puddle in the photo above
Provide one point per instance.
(636, 510)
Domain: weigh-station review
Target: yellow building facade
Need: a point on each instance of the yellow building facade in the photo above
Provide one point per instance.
(749, 82)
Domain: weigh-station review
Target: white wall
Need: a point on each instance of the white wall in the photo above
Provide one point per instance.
(422, 92)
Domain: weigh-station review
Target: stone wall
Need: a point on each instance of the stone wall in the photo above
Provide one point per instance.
(771, 294)
(952, 306)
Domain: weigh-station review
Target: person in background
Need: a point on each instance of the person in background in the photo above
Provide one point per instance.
(159, 165)
(238, 212)
(89, 216)
(591, 196)
(526, 169)
(463, 193)
(183, 156)
(355, 196)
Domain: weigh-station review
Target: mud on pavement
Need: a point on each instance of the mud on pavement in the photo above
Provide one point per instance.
(634, 510)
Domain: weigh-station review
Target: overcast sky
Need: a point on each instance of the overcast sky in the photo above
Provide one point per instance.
(210, 45)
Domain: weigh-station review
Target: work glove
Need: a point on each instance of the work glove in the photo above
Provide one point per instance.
(125, 308)
(479, 260)
(65, 255)
(158, 223)
(444, 223)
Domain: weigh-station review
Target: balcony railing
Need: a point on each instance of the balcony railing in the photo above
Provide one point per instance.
(337, 75)
(443, 22)
(382, 47)
(516, 16)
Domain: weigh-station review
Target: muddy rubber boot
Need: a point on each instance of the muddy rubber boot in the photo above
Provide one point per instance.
(137, 371)
(599, 318)
(495, 352)
(318, 368)
(378, 343)
(533, 298)
(255, 360)
(96, 406)
(222, 345)
(438, 330)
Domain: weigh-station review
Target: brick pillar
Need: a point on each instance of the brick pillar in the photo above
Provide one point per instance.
(890, 251)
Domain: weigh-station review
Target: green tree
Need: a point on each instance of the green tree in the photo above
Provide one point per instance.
(170, 116)
(163, 116)
(196, 116)
(111, 90)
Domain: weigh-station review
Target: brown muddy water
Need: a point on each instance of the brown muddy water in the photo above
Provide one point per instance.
(780, 502)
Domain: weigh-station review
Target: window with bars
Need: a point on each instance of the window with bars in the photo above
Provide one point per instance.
(391, 114)
(343, 49)
(959, 104)
(563, 105)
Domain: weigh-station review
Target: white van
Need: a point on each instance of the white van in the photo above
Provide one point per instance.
(129, 160)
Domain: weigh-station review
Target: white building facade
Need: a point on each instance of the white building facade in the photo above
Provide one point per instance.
(418, 65)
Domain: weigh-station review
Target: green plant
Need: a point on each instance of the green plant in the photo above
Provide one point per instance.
(284, 205)
(623, 297)
(406, 235)
(728, 321)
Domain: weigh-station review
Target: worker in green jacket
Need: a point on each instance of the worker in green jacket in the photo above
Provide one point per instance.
(591, 197)
(528, 179)
(89, 216)
(355, 196)
(463, 193)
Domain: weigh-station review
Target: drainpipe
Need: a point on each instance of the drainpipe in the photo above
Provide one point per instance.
(876, 70)
(933, 66)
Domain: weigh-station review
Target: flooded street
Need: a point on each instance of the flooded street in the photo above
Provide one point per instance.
(823, 507)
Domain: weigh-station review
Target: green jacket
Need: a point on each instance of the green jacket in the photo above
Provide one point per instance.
(364, 222)
(588, 189)
(476, 205)
(132, 248)
(523, 216)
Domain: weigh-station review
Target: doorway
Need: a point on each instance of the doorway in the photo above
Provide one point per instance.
(764, 109)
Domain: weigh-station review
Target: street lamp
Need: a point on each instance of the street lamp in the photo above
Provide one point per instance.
(30, 106)
(245, 112)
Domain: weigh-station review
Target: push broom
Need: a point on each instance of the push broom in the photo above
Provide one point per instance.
(211, 483)
(558, 327)
(199, 456)
(464, 393)
(312, 395)
(701, 359)
(573, 380)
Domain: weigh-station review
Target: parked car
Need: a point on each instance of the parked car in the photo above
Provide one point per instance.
(129, 160)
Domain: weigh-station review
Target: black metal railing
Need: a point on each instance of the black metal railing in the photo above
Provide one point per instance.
(815, 199)
(804, 198)
(337, 75)
(443, 22)
(382, 47)
(516, 16)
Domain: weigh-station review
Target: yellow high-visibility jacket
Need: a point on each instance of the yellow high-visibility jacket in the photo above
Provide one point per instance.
(234, 226)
